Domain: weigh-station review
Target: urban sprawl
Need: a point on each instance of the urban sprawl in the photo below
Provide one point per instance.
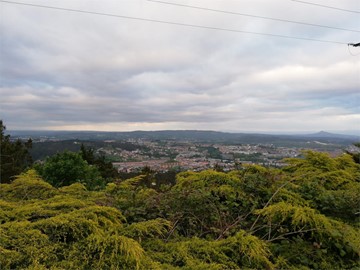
(174, 155)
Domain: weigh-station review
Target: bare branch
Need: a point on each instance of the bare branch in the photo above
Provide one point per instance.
(290, 233)
(268, 202)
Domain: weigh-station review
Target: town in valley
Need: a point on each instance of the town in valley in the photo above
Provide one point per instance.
(188, 150)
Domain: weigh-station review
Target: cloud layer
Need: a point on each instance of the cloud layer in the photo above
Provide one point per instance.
(68, 70)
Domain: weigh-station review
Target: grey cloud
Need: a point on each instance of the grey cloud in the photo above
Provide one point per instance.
(67, 69)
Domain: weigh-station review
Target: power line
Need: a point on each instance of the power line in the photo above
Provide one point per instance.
(319, 5)
(253, 16)
(174, 23)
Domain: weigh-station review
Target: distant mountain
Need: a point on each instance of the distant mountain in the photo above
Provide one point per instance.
(324, 134)
(191, 135)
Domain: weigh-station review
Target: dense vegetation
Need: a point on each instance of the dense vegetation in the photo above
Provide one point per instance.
(304, 216)
(14, 156)
(72, 211)
(41, 150)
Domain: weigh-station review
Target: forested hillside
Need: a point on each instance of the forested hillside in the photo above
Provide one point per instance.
(304, 216)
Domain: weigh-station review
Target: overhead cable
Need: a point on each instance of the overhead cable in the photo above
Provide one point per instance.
(319, 5)
(174, 23)
(253, 16)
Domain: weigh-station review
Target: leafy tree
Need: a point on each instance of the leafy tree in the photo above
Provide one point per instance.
(304, 216)
(14, 156)
(311, 219)
(356, 155)
(331, 185)
(137, 202)
(66, 168)
(66, 229)
(106, 169)
(317, 233)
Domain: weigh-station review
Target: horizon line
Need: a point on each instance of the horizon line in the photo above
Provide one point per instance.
(340, 132)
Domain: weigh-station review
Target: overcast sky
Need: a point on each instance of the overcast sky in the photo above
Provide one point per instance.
(74, 71)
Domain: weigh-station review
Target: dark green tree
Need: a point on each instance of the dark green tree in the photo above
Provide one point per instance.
(87, 154)
(66, 168)
(106, 168)
(355, 155)
(14, 156)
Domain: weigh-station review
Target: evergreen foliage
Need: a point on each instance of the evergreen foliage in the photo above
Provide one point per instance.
(14, 156)
(66, 168)
(105, 168)
(304, 216)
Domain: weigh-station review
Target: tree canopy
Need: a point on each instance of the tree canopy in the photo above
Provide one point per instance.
(14, 156)
(66, 168)
(304, 216)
